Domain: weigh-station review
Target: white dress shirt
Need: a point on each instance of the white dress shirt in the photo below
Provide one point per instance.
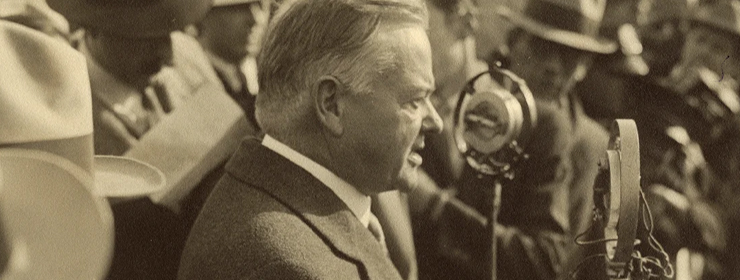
(357, 202)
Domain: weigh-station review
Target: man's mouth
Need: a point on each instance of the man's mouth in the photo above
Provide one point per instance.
(414, 157)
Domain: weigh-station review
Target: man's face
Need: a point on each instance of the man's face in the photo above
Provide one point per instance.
(228, 31)
(384, 129)
(547, 67)
(134, 60)
(712, 49)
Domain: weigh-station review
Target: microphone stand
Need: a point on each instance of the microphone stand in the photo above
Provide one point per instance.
(492, 220)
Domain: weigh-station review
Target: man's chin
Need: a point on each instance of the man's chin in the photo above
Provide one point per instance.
(408, 181)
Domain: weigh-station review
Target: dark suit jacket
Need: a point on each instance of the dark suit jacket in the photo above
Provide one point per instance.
(270, 219)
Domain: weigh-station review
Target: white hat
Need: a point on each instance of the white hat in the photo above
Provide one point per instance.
(53, 226)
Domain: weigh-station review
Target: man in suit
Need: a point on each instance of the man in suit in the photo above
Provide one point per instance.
(227, 33)
(136, 82)
(344, 103)
(128, 50)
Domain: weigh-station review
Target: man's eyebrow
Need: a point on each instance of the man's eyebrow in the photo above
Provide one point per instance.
(416, 89)
(421, 86)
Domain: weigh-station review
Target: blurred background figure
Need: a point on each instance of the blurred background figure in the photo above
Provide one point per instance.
(713, 40)
(126, 47)
(606, 88)
(660, 25)
(550, 47)
(710, 64)
(230, 34)
(679, 110)
(129, 52)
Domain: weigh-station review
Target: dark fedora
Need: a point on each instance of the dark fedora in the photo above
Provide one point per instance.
(573, 23)
(132, 18)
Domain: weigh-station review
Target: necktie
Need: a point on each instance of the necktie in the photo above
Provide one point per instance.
(377, 231)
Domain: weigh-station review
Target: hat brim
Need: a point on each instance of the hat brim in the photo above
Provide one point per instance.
(158, 18)
(564, 37)
(54, 225)
(126, 178)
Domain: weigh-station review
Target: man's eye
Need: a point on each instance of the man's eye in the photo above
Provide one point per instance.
(417, 102)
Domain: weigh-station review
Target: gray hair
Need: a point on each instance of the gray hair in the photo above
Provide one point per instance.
(311, 38)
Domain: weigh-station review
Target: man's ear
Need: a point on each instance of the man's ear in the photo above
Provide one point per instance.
(326, 93)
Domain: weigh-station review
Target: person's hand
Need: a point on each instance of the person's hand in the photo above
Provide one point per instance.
(169, 88)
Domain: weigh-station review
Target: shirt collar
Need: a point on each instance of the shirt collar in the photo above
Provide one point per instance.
(357, 202)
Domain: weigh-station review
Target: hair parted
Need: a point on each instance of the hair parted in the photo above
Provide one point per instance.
(308, 39)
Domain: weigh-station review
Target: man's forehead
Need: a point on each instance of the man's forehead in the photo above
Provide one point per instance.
(412, 57)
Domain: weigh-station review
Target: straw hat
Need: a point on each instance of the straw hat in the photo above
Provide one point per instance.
(573, 23)
(132, 18)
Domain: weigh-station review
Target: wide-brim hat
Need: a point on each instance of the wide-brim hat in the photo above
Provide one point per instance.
(132, 18)
(52, 225)
(573, 23)
(723, 15)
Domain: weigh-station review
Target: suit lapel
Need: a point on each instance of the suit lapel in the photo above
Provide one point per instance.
(315, 203)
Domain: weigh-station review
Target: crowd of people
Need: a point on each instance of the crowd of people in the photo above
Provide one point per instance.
(314, 139)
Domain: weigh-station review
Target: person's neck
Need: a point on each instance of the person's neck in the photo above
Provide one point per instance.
(308, 145)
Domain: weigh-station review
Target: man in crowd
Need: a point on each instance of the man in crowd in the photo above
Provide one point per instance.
(659, 26)
(344, 103)
(713, 41)
(713, 44)
(551, 62)
(549, 201)
(226, 34)
(126, 46)
(129, 51)
(605, 91)
(706, 82)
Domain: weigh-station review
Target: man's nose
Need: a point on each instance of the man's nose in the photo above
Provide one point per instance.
(432, 121)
